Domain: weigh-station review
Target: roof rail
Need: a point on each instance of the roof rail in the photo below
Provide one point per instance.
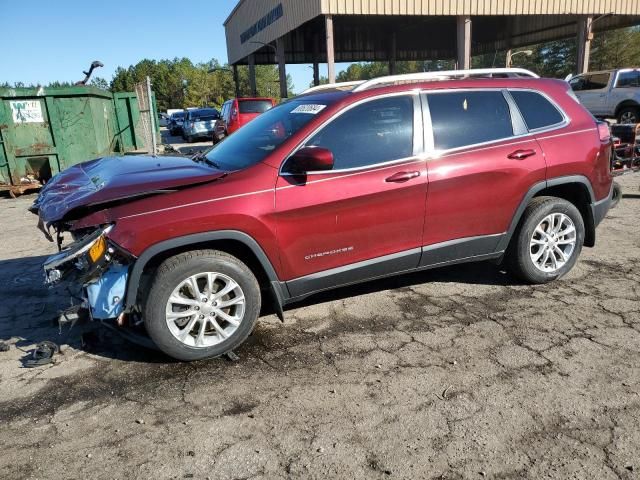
(328, 86)
(443, 75)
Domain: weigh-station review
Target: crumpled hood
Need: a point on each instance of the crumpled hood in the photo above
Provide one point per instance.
(111, 179)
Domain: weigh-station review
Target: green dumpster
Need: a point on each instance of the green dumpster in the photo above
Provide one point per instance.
(45, 130)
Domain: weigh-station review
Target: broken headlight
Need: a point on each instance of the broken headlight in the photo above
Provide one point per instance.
(85, 255)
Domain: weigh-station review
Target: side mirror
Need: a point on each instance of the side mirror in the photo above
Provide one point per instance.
(310, 159)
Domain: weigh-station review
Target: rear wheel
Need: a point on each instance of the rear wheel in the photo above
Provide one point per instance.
(201, 304)
(629, 115)
(548, 241)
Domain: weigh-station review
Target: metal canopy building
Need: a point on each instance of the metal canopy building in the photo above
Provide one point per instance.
(329, 31)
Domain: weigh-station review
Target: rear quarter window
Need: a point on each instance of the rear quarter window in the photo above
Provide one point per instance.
(537, 111)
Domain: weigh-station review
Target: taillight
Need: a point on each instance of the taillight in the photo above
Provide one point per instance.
(604, 132)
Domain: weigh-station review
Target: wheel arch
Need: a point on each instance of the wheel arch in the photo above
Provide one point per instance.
(576, 189)
(624, 104)
(236, 243)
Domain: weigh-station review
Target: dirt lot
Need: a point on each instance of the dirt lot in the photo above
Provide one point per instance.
(453, 373)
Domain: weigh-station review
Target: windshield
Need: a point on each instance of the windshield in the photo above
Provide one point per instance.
(254, 106)
(253, 142)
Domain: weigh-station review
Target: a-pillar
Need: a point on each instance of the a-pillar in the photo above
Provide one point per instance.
(331, 56)
(252, 75)
(463, 27)
(282, 67)
(584, 43)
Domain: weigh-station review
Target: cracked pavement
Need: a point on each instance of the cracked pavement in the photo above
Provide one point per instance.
(456, 373)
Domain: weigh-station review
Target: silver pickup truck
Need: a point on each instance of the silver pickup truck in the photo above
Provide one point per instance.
(610, 93)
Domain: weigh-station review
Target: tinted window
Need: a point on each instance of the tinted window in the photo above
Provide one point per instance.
(254, 106)
(467, 118)
(253, 142)
(536, 110)
(597, 81)
(374, 132)
(628, 79)
(204, 115)
(577, 83)
(177, 115)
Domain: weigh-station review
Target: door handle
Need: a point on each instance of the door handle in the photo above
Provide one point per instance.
(402, 177)
(521, 154)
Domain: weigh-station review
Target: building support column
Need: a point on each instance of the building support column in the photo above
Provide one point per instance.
(236, 80)
(331, 56)
(584, 43)
(252, 75)
(282, 67)
(392, 54)
(463, 27)
(316, 60)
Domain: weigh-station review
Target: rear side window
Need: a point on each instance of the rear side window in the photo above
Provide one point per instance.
(537, 111)
(254, 106)
(374, 132)
(467, 118)
(628, 79)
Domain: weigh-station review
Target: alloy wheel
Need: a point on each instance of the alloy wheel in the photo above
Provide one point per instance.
(553, 242)
(205, 309)
(628, 117)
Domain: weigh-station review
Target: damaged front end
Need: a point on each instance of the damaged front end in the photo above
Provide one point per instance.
(99, 266)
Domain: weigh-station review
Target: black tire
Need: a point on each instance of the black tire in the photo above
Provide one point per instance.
(629, 115)
(180, 267)
(519, 253)
(617, 195)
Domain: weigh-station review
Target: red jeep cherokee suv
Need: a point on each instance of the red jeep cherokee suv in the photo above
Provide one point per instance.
(329, 189)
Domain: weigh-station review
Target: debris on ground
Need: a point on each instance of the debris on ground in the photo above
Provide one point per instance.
(4, 347)
(42, 354)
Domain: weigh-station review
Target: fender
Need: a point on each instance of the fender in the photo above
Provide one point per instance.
(133, 284)
(537, 188)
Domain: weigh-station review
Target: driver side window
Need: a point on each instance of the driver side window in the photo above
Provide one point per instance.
(374, 132)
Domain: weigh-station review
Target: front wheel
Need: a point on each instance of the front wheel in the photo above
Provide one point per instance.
(548, 241)
(201, 304)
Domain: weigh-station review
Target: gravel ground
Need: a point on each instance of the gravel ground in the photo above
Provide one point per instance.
(453, 373)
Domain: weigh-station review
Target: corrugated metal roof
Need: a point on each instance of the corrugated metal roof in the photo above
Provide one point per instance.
(362, 25)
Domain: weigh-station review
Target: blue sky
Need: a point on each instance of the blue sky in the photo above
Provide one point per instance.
(45, 40)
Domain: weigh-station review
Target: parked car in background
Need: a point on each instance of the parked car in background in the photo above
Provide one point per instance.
(175, 123)
(199, 123)
(330, 189)
(238, 112)
(610, 93)
(163, 119)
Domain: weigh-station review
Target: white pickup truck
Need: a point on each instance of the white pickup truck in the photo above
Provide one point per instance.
(610, 93)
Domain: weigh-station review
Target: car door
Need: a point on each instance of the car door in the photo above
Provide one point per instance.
(593, 94)
(481, 166)
(365, 217)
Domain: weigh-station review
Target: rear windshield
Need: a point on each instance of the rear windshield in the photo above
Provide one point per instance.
(204, 115)
(253, 142)
(254, 106)
(177, 115)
